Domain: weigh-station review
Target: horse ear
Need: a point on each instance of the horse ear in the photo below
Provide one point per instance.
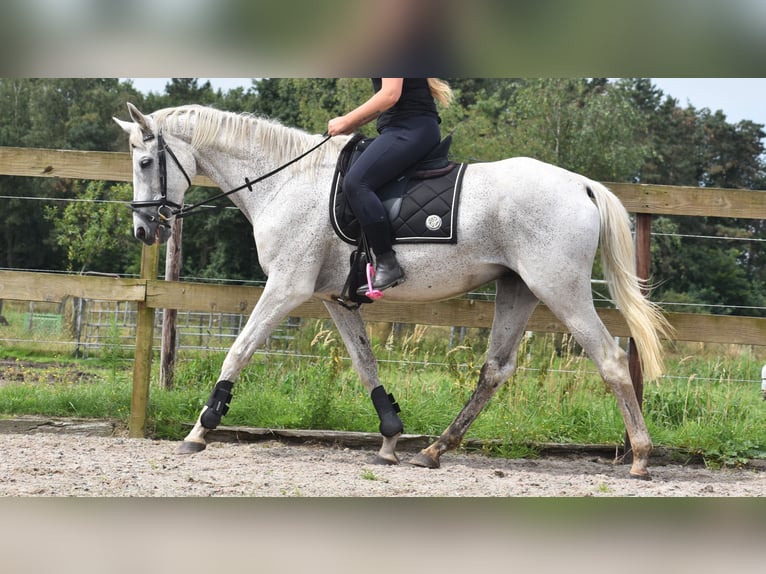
(126, 126)
(140, 119)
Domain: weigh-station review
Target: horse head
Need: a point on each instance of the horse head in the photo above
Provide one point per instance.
(158, 184)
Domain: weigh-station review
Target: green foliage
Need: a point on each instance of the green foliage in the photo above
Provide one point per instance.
(219, 244)
(716, 421)
(63, 113)
(591, 128)
(699, 147)
(555, 396)
(96, 235)
(71, 395)
(588, 127)
(368, 474)
(690, 266)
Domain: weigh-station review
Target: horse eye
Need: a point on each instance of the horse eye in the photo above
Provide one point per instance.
(145, 162)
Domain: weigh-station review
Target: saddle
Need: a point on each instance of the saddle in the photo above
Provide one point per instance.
(421, 203)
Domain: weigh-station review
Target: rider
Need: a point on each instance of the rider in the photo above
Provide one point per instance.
(408, 128)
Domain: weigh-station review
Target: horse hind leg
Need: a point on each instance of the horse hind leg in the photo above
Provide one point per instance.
(612, 363)
(514, 304)
(580, 317)
(492, 375)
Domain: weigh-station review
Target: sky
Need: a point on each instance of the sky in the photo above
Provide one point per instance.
(738, 98)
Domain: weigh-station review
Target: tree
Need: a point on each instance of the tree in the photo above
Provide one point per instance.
(700, 148)
(19, 221)
(67, 113)
(95, 234)
(589, 127)
(481, 122)
(180, 92)
(309, 103)
(75, 113)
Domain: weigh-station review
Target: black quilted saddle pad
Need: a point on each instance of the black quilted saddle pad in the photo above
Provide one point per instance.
(420, 210)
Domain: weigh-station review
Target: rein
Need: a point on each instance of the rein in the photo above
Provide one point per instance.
(167, 209)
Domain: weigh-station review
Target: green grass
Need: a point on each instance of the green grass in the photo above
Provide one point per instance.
(708, 406)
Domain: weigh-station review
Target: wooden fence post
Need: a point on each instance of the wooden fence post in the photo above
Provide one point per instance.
(643, 265)
(142, 365)
(170, 316)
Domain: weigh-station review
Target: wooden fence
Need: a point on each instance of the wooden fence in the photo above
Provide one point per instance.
(149, 293)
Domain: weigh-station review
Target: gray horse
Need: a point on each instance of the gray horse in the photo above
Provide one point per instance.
(530, 227)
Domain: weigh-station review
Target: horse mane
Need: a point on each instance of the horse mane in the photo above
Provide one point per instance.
(211, 128)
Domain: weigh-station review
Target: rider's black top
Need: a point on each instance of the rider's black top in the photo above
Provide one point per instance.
(416, 100)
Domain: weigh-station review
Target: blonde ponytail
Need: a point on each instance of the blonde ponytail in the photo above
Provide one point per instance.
(441, 91)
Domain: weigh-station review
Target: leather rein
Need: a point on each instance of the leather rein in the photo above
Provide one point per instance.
(167, 209)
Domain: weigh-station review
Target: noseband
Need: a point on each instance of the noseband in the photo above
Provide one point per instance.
(166, 209)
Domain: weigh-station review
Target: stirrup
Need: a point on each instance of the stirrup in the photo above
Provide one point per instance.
(371, 292)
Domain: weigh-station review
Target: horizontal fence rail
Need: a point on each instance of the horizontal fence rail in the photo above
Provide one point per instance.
(636, 197)
(204, 297)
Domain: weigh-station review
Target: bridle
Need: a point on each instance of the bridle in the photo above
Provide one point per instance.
(167, 209)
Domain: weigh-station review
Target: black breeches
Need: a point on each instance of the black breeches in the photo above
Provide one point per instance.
(396, 149)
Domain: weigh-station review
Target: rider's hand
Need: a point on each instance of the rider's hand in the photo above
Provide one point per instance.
(339, 126)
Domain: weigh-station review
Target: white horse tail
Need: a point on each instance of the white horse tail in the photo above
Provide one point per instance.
(645, 320)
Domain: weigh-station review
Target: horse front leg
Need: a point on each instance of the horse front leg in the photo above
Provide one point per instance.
(273, 306)
(352, 330)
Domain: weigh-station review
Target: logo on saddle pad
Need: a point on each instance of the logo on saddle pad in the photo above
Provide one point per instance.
(433, 222)
(422, 203)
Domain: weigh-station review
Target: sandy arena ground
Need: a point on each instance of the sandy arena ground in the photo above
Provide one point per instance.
(50, 465)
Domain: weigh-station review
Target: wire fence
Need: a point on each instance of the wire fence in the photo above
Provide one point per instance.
(93, 328)
(85, 327)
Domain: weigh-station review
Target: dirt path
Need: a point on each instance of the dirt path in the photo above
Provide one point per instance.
(45, 465)
(262, 527)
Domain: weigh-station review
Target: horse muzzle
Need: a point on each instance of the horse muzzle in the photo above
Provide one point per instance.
(149, 230)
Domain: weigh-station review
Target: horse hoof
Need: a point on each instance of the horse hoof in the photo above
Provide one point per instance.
(190, 447)
(424, 460)
(645, 476)
(385, 460)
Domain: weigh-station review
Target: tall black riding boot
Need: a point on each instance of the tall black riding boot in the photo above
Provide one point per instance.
(388, 273)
